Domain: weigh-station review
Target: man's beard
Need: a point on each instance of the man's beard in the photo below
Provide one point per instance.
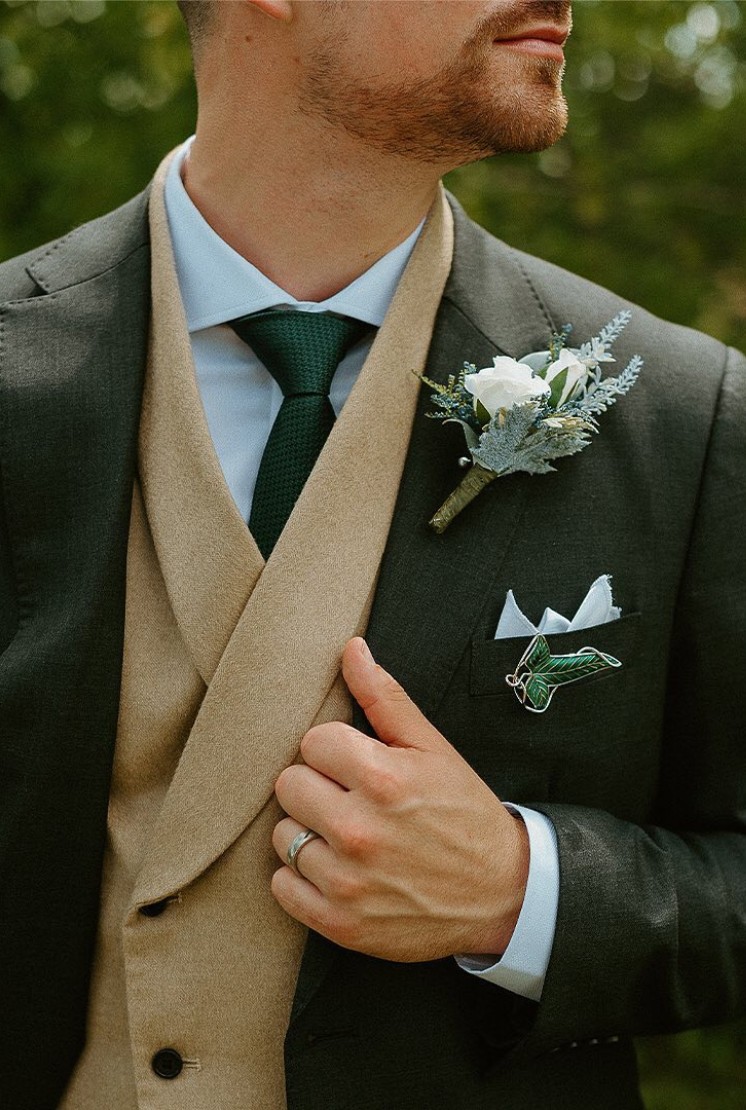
(461, 113)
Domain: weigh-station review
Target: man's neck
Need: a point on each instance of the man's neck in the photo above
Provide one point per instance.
(306, 208)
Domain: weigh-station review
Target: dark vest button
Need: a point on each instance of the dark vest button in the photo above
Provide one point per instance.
(155, 909)
(167, 1063)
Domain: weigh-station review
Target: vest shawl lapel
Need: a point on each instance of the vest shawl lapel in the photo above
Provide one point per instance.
(71, 363)
(208, 557)
(282, 660)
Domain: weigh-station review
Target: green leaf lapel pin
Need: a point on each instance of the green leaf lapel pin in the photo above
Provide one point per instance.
(539, 673)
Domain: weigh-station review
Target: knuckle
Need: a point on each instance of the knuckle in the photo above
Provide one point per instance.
(321, 736)
(278, 885)
(356, 838)
(284, 780)
(323, 919)
(385, 688)
(311, 740)
(285, 891)
(346, 887)
(346, 931)
(384, 785)
(392, 690)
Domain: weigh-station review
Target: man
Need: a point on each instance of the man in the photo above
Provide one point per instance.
(158, 657)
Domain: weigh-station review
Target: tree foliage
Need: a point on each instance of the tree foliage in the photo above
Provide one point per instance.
(645, 194)
(92, 94)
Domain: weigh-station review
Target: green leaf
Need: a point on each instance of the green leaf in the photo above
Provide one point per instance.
(561, 669)
(482, 415)
(557, 385)
(539, 656)
(537, 691)
(539, 673)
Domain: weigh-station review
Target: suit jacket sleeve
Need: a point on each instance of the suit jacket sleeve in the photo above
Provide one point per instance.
(651, 928)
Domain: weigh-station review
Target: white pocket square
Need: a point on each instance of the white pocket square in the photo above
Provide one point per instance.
(596, 608)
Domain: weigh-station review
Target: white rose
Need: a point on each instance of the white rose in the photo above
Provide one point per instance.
(575, 377)
(504, 384)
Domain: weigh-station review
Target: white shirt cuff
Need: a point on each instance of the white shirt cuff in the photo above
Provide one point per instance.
(523, 965)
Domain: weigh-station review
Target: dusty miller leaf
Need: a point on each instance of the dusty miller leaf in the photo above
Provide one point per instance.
(522, 444)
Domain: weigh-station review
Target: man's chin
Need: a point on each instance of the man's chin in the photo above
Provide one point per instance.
(526, 132)
(531, 142)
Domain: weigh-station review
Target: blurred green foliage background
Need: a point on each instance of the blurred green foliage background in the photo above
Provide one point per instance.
(645, 194)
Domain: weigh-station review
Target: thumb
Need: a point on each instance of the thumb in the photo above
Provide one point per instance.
(392, 713)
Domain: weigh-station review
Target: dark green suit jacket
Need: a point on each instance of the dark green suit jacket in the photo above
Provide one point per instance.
(642, 770)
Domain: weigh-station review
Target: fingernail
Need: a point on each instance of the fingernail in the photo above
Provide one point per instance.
(366, 654)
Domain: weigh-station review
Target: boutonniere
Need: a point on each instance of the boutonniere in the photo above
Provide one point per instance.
(520, 414)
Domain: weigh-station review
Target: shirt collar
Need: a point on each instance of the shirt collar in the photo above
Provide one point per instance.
(217, 284)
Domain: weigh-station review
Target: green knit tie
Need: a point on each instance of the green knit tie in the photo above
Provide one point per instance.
(301, 350)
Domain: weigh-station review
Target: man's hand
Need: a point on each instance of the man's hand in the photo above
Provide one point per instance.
(419, 859)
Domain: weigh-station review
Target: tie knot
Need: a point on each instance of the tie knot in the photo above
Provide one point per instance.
(301, 350)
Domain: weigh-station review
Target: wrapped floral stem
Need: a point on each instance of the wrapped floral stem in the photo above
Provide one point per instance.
(518, 415)
(472, 484)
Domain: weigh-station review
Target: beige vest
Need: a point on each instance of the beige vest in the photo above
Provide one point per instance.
(227, 662)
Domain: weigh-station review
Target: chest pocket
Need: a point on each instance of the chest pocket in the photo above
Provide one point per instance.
(595, 733)
(492, 660)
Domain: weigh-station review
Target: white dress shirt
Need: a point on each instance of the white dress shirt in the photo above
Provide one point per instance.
(241, 400)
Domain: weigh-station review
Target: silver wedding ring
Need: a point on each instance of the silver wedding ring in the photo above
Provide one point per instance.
(297, 844)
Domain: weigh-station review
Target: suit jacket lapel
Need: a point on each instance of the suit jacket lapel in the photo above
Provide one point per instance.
(432, 588)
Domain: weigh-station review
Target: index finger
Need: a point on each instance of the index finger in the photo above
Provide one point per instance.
(340, 752)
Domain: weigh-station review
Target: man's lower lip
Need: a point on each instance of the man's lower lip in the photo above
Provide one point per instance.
(539, 47)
